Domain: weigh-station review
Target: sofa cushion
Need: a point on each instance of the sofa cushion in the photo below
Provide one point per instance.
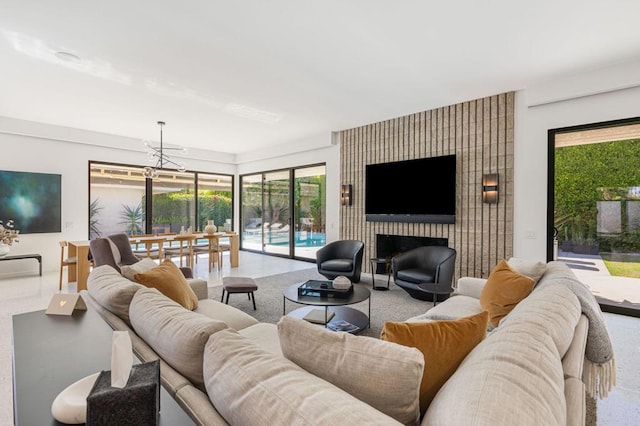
(233, 317)
(144, 265)
(515, 375)
(530, 268)
(176, 334)
(504, 289)
(112, 290)
(444, 345)
(171, 282)
(264, 335)
(382, 374)
(251, 386)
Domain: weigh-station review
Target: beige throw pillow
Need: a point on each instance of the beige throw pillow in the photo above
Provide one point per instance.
(249, 386)
(382, 374)
(530, 268)
(129, 271)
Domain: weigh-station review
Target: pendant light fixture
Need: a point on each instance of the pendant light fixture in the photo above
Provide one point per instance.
(157, 154)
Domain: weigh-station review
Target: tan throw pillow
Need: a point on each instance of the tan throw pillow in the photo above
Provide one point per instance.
(505, 288)
(444, 344)
(129, 271)
(169, 280)
(382, 374)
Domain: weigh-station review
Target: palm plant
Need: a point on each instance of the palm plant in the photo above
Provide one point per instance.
(133, 217)
(94, 210)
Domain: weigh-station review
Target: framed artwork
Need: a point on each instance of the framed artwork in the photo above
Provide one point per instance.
(32, 200)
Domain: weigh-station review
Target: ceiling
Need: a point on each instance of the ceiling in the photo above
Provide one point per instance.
(240, 76)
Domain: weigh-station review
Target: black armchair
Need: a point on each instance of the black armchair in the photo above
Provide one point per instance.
(342, 257)
(429, 264)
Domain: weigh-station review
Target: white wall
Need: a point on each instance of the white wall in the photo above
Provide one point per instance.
(37, 153)
(595, 96)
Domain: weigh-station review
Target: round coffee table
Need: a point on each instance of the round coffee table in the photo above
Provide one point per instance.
(337, 305)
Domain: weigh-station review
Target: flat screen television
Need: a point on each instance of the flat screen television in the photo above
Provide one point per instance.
(421, 190)
(32, 200)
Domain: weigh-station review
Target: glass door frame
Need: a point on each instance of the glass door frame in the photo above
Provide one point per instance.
(551, 176)
(292, 213)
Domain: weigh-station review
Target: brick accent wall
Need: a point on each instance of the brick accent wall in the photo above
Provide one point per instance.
(480, 133)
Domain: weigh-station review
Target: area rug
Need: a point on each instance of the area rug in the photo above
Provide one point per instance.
(392, 305)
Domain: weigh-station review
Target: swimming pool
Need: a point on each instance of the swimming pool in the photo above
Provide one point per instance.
(302, 239)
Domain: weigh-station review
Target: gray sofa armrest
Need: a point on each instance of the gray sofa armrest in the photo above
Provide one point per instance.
(470, 286)
(199, 287)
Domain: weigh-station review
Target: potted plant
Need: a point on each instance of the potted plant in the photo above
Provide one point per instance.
(8, 235)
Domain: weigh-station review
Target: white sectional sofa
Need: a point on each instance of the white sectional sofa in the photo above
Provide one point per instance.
(224, 367)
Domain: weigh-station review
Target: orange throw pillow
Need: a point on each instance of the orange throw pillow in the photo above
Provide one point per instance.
(444, 345)
(170, 281)
(504, 289)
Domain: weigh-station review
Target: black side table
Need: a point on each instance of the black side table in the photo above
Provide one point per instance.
(435, 289)
(374, 262)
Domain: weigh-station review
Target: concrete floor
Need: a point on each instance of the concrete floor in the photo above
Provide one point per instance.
(31, 293)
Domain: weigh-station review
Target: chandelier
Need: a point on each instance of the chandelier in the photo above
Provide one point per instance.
(158, 155)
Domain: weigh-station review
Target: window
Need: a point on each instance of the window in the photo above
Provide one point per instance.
(118, 200)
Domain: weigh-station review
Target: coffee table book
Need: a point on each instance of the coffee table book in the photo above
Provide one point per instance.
(316, 316)
(342, 326)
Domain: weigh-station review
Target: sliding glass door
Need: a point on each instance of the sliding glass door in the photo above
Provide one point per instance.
(283, 211)
(276, 215)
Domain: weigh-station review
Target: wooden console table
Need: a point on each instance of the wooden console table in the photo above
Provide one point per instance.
(50, 352)
(25, 256)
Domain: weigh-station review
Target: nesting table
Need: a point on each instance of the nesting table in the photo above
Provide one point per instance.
(337, 305)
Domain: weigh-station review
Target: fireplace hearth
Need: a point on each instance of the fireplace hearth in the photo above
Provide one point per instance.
(388, 246)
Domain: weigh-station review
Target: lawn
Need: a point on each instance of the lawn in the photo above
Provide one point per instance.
(623, 269)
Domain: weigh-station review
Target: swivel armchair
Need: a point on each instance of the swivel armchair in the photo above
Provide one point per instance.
(423, 265)
(343, 257)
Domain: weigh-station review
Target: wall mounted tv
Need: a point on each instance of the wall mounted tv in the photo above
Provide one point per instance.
(32, 200)
(421, 190)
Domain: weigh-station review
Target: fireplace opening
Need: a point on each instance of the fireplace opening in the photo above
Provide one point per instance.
(388, 246)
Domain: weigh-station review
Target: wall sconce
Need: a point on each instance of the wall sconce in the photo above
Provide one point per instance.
(345, 195)
(490, 188)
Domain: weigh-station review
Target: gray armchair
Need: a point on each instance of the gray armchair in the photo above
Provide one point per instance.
(429, 264)
(101, 250)
(343, 257)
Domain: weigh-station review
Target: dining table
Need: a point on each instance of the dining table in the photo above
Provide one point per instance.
(186, 243)
(80, 249)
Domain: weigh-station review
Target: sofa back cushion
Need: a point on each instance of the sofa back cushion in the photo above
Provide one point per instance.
(176, 334)
(385, 375)
(112, 290)
(250, 386)
(505, 288)
(515, 375)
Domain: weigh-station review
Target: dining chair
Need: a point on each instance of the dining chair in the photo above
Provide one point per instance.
(65, 261)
